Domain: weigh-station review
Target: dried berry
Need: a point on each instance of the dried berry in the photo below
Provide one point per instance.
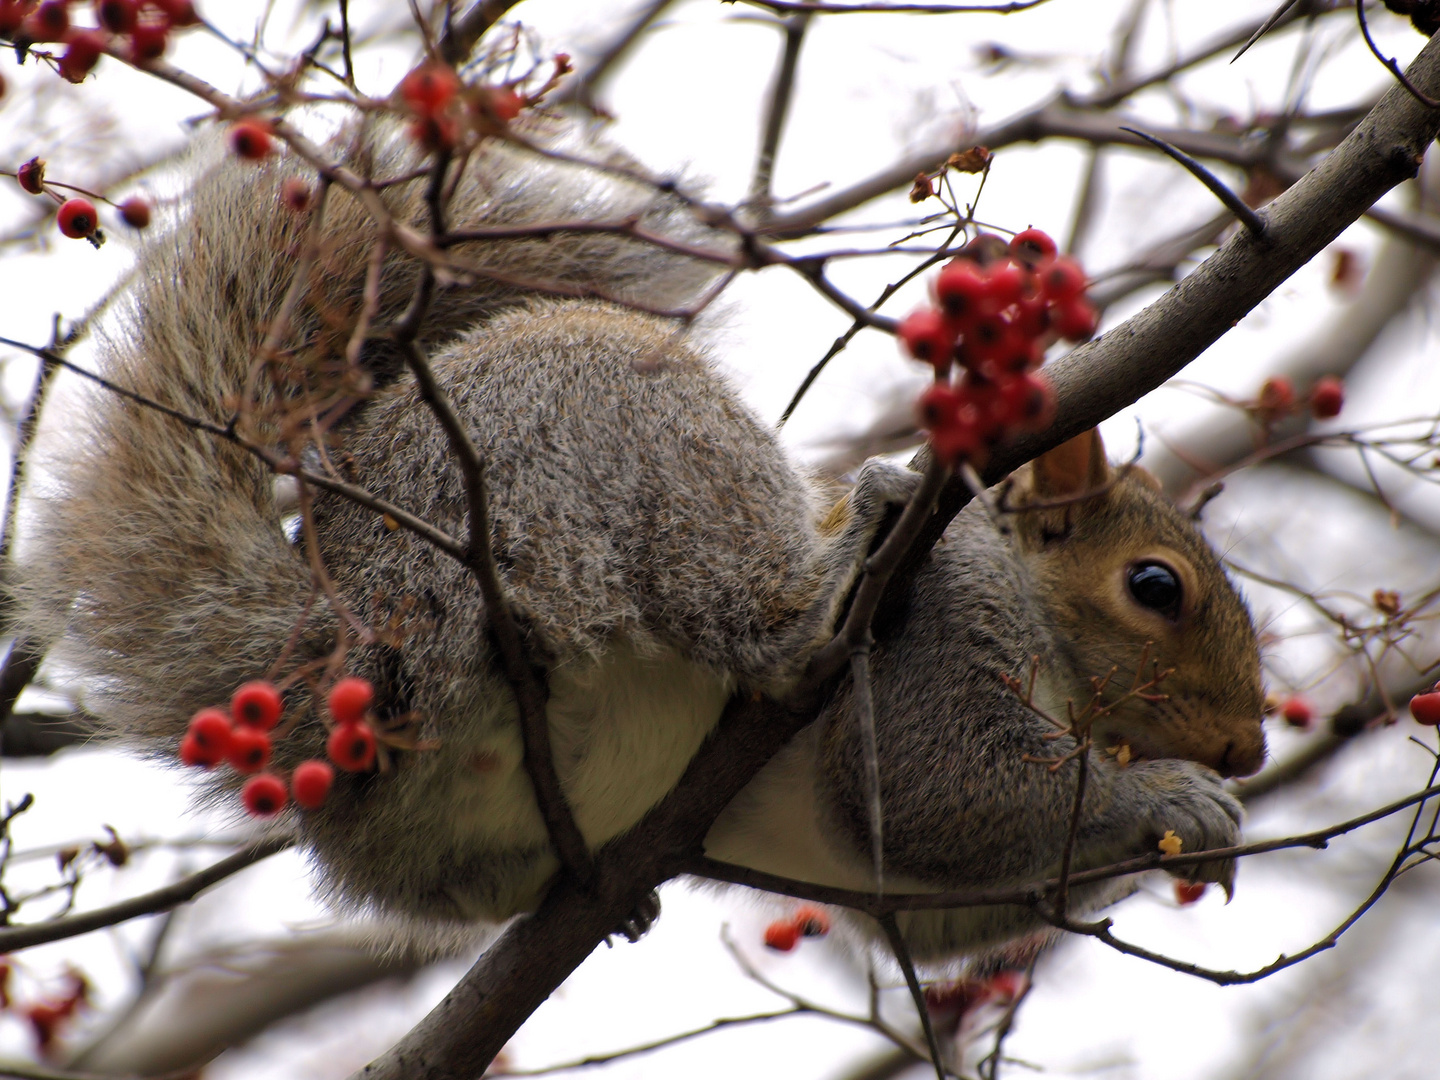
(31, 176)
(135, 212)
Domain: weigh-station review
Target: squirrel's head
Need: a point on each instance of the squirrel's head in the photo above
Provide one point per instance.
(1140, 601)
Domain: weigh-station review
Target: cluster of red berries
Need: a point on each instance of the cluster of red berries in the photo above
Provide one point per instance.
(242, 738)
(77, 217)
(1277, 399)
(46, 1016)
(783, 935)
(996, 307)
(432, 96)
(137, 29)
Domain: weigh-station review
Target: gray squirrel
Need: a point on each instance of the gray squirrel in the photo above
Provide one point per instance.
(660, 549)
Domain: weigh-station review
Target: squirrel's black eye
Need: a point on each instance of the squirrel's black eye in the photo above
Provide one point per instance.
(1155, 586)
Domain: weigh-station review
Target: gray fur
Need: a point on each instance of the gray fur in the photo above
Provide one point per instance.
(660, 550)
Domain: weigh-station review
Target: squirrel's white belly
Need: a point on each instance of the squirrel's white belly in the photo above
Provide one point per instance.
(623, 727)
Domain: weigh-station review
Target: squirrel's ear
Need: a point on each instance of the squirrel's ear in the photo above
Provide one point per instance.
(1071, 469)
(1058, 481)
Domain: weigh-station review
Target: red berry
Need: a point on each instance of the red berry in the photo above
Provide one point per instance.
(960, 289)
(118, 16)
(1032, 248)
(1032, 316)
(311, 783)
(263, 795)
(429, 88)
(928, 337)
(210, 728)
(295, 194)
(352, 746)
(1425, 708)
(435, 133)
(1062, 279)
(504, 103)
(135, 212)
(83, 50)
(257, 704)
(1187, 892)
(1297, 711)
(77, 218)
(249, 749)
(1075, 319)
(1327, 397)
(1277, 397)
(1005, 284)
(192, 753)
(782, 935)
(937, 406)
(986, 339)
(811, 921)
(31, 176)
(251, 139)
(49, 21)
(148, 41)
(350, 699)
(960, 439)
(177, 12)
(1029, 401)
(12, 14)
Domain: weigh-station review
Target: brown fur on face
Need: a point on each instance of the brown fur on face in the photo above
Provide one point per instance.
(1208, 702)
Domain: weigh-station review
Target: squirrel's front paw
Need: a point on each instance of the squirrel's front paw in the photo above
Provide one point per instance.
(881, 484)
(1196, 813)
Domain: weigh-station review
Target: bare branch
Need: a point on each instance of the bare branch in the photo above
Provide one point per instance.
(14, 938)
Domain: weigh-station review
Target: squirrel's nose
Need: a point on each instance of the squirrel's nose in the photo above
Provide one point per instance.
(1243, 757)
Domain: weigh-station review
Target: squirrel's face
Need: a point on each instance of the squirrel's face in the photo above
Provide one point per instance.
(1140, 602)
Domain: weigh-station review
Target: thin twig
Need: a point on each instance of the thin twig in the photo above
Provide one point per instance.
(1390, 63)
(907, 967)
(782, 93)
(14, 938)
(865, 718)
(527, 684)
(280, 464)
(1062, 891)
(1034, 892)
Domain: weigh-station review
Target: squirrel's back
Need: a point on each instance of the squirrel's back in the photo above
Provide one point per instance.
(656, 544)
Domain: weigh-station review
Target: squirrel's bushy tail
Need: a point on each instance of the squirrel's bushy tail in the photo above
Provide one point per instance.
(156, 566)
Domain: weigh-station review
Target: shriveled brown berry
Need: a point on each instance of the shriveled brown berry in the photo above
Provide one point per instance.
(135, 212)
(31, 176)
